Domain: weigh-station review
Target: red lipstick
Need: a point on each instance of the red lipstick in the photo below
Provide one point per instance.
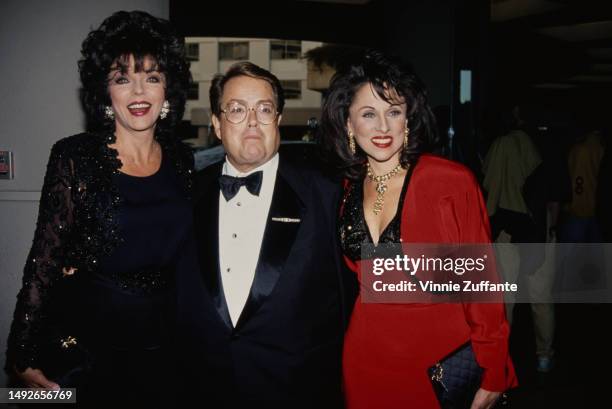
(139, 108)
(382, 141)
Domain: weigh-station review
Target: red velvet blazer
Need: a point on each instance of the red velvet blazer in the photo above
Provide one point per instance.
(389, 347)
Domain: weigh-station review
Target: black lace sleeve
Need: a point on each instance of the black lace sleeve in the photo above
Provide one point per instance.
(45, 261)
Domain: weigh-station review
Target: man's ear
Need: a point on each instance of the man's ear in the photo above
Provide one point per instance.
(216, 125)
(278, 119)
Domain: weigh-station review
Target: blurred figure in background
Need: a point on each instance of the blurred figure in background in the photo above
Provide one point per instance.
(524, 192)
(580, 223)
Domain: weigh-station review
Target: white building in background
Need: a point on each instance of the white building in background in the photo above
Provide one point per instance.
(212, 55)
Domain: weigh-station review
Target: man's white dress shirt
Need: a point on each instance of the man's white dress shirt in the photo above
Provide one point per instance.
(242, 221)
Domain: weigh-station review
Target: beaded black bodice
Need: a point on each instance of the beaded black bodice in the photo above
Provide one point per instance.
(354, 232)
(77, 226)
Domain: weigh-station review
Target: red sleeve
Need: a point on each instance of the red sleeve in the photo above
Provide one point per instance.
(489, 329)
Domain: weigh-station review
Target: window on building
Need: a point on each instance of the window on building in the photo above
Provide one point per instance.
(234, 51)
(285, 49)
(192, 51)
(292, 88)
(193, 92)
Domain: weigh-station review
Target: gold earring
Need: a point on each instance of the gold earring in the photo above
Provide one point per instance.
(352, 146)
(406, 133)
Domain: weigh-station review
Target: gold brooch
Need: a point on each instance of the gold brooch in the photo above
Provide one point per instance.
(68, 342)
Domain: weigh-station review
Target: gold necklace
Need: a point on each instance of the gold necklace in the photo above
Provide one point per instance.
(381, 185)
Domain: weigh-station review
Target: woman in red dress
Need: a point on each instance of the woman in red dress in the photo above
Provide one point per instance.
(377, 119)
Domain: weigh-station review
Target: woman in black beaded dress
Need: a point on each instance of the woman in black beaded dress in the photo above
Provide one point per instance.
(114, 214)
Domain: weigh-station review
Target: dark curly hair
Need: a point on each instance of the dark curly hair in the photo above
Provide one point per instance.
(142, 36)
(247, 69)
(384, 73)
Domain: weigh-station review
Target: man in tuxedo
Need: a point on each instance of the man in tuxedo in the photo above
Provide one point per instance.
(261, 322)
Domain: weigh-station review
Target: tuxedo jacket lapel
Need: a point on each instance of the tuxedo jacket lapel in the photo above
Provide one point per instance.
(284, 220)
(206, 215)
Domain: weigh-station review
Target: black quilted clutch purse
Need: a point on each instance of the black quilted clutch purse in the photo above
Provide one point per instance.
(456, 378)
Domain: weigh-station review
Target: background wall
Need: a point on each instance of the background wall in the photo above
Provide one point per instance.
(40, 44)
(423, 34)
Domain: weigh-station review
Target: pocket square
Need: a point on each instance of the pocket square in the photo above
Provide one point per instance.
(286, 220)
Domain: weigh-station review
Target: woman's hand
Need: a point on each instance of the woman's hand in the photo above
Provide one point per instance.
(484, 399)
(34, 378)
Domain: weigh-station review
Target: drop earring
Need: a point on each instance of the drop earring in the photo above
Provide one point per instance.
(109, 113)
(165, 109)
(352, 147)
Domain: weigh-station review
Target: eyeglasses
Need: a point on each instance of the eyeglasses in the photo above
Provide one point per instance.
(236, 112)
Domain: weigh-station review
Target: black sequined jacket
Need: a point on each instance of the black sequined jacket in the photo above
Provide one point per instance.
(76, 226)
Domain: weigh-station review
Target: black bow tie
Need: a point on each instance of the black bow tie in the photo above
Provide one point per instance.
(230, 185)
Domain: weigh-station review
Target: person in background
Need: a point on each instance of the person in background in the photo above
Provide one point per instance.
(580, 223)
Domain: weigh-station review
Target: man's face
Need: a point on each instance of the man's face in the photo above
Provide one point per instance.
(248, 144)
